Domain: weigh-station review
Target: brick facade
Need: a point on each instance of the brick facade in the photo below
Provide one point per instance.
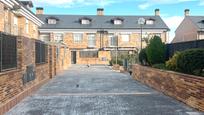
(16, 25)
(13, 87)
(102, 41)
(186, 88)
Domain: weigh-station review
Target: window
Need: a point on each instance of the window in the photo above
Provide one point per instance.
(157, 34)
(118, 22)
(52, 21)
(91, 40)
(78, 37)
(85, 21)
(41, 52)
(58, 38)
(125, 38)
(8, 52)
(112, 40)
(149, 22)
(27, 26)
(201, 35)
(88, 54)
(45, 37)
(15, 24)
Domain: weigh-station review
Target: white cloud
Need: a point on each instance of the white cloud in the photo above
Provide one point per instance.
(201, 3)
(147, 3)
(173, 22)
(77, 3)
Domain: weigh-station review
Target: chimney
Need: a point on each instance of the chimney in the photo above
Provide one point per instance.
(39, 10)
(187, 12)
(100, 11)
(157, 12)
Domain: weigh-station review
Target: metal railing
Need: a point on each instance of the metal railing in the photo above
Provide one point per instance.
(41, 52)
(8, 52)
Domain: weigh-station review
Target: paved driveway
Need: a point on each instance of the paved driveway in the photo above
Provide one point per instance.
(98, 91)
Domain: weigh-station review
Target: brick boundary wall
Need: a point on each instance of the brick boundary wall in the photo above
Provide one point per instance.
(16, 99)
(12, 87)
(188, 89)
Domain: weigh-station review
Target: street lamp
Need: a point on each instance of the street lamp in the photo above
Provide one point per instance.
(141, 22)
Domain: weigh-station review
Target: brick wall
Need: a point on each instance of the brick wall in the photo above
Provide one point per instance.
(134, 41)
(12, 88)
(7, 24)
(186, 88)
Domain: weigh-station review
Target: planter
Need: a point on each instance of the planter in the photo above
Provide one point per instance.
(116, 67)
(186, 88)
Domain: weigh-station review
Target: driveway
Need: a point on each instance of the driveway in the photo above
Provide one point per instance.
(98, 91)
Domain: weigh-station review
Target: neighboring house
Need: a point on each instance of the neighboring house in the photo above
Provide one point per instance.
(93, 39)
(191, 28)
(18, 19)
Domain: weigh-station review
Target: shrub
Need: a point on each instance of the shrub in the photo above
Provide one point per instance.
(113, 61)
(156, 51)
(160, 66)
(191, 61)
(143, 57)
(172, 63)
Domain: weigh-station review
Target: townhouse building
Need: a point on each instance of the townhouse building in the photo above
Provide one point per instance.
(26, 63)
(93, 39)
(18, 19)
(190, 29)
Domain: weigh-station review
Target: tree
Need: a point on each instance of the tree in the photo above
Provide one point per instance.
(156, 51)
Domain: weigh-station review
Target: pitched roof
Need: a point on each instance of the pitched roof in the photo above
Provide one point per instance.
(100, 22)
(198, 21)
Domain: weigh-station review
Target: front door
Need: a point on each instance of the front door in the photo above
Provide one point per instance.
(73, 57)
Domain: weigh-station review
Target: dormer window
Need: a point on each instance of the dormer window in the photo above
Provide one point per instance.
(150, 22)
(117, 21)
(52, 21)
(85, 21)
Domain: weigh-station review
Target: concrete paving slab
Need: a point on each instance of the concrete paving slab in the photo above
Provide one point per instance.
(98, 91)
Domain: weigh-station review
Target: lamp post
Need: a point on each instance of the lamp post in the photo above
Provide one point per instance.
(141, 22)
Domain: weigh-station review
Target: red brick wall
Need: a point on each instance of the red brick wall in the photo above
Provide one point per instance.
(12, 89)
(186, 88)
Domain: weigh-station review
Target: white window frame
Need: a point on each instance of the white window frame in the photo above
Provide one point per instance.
(125, 37)
(111, 38)
(85, 21)
(45, 37)
(149, 22)
(52, 21)
(91, 39)
(58, 37)
(118, 22)
(78, 37)
(15, 24)
(27, 26)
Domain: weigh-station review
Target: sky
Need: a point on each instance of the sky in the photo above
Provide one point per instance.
(172, 11)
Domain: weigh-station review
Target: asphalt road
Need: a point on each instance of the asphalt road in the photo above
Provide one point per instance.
(98, 91)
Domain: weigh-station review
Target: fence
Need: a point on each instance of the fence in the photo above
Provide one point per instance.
(41, 54)
(8, 52)
(174, 47)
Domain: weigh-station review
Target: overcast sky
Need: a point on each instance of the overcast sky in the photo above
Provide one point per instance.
(172, 11)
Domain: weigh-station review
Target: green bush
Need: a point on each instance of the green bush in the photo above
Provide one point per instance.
(172, 63)
(160, 66)
(143, 57)
(156, 51)
(113, 61)
(191, 61)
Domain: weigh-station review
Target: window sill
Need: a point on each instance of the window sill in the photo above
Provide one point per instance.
(39, 64)
(9, 71)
